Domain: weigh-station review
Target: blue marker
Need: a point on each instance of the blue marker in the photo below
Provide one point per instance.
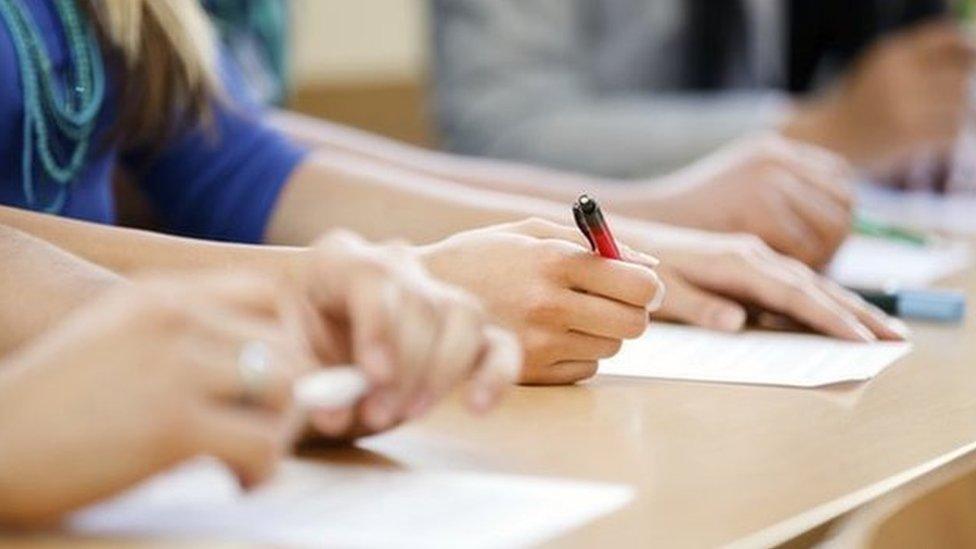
(934, 305)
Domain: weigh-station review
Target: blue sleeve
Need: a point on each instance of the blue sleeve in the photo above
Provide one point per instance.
(219, 182)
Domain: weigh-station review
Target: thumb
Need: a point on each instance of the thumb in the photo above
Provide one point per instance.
(691, 305)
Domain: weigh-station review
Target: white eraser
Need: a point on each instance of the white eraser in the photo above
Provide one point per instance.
(331, 388)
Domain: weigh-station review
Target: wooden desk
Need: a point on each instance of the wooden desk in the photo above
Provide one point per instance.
(718, 464)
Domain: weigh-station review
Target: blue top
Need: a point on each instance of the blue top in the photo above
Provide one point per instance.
(221, 182)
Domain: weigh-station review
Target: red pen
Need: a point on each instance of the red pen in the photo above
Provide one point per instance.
(594, 227)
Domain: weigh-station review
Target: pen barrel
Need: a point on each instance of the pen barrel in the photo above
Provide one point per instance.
(604, 242)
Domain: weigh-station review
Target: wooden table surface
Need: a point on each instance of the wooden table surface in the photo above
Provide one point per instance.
(717, 464)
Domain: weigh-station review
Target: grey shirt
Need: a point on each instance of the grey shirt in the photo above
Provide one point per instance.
(593, 85)
(609, 86)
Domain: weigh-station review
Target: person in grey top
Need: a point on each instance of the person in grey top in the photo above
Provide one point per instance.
(628, 88)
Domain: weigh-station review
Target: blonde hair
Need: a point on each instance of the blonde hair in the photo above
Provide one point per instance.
(168, 51)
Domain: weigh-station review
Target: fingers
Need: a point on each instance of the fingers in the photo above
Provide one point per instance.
(332, 423)
(249, 443)
(215, 366)
(590, 314)
(417, 335)
(755, 274)
(372, 304)
(824, 216)
(461, 343)
(883, 326)
(499, 367)
(244, 305)
(561, 373)
(632, 281)
(782, 228)
(354, 284)
(825, 171)
(628, 283)
(880, 324)
(801, 298)
(829, 222)
(465, 348)
(575, 346)
(750, 272)
(691, 305)
(218, 341)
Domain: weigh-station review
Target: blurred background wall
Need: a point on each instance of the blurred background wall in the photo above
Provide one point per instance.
(363, 63)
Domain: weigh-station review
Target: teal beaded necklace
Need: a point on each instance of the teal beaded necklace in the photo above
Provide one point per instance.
(59, 119)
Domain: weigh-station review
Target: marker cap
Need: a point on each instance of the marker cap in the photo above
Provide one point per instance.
(938, 305)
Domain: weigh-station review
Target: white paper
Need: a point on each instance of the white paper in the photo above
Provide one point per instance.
(949, 213)
(316, 504)
(763, 358)
(865, 262)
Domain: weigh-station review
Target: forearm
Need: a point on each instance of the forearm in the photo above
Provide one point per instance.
(334, 190)
(490, 174)
(128, 251)
(40, 284)
(382, 201)
(645, 199)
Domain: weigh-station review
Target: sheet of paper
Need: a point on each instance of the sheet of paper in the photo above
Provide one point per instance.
(865, 262)
(315, 504)
(763, 358)
(952, 213)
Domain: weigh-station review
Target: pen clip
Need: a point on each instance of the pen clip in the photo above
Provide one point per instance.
(583, 227)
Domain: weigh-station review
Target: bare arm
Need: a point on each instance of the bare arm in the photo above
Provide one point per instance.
(497, 175)
(39, 284)
(128, 251)
(383, 200)
(349, 156)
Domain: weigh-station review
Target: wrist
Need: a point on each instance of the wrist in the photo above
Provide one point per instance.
(669, 199)
(822, 123)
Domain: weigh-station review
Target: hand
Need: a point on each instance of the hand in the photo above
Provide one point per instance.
(712, 279)
(145, 378)
(909, 93)
(416, 338)
(794, 196)
(569, 307)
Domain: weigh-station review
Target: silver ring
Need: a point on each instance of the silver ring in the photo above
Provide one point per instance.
(254, 369)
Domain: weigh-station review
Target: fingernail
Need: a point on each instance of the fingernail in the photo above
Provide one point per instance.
(899, 327)
(658, 298)
(727, 319)
(649, 260)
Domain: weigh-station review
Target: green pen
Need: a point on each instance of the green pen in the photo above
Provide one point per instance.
(870, 227)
